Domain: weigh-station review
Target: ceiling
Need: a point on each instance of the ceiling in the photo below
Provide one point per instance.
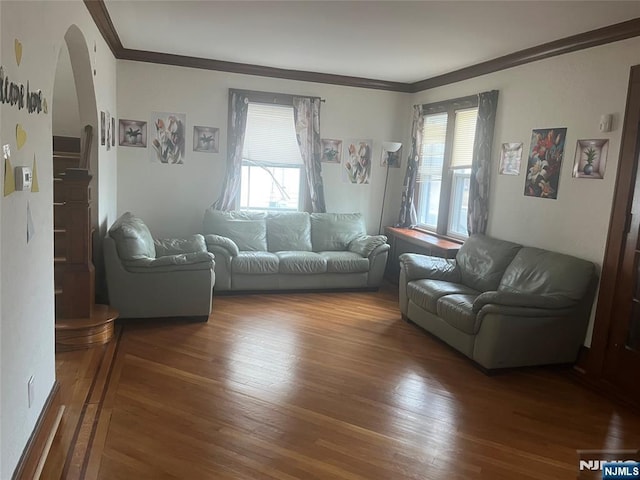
(399, 41)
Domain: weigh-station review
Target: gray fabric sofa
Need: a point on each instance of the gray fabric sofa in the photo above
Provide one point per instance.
(499, 303)
(157, 278)
(293, 251)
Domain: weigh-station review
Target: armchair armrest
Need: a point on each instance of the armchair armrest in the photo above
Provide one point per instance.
(224, 243)
(176, 246)
(366, 244)
(522, 300)
(172, 263)
(418, 266)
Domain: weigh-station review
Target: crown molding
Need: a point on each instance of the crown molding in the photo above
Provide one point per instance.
(600, 36)
(593, 38)
(259, 70)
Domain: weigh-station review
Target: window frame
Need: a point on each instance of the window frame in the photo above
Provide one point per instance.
(446, 187)
(267, 98)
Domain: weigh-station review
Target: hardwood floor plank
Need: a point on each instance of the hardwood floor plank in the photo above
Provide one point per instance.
(327, 386)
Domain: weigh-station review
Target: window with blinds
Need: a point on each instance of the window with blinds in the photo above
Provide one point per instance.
(272, 163)
(270, 136)
(444, 169)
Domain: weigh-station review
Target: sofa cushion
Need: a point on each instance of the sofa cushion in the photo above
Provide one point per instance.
(482, 261)
(542, 272)
(256, 263)
(345, 262)
(426, 293)
(289, 232)
(132, 237)
(247, 230)
(302, 262)
(456, 311)
(334, 231)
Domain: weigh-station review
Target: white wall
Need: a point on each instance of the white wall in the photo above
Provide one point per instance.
(64, 107)
(571, 91)
(172, 199)
(27, 306)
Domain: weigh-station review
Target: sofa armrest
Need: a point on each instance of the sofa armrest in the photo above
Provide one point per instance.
(172, 263)
(367, 244)
(224, 243)
(177, 246)
(522, 300)
(418, 266)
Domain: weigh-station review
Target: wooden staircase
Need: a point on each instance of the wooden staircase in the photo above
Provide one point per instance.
(79, 322)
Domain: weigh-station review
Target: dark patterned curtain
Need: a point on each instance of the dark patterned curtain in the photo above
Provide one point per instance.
(239, 106)
(306, 113)
(478, 212)
(408, 217)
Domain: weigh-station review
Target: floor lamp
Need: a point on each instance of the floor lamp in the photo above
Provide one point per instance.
(388, 148)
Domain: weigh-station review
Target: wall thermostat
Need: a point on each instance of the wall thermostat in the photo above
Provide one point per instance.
(24, 177)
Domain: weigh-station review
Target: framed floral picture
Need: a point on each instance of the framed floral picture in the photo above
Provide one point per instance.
(331, 150)
(206, 139)
(591, 158)
(132, 133)
(545, 162)
(357, 161)
(168, 138)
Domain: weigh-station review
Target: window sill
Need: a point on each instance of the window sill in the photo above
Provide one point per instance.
(446, 248)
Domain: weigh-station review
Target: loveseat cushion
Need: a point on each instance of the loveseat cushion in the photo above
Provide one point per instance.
(334, 231)
(132, 237)
(482, 261)
(345, 262)
(255, 263)
(456, 311)
(426, 293)
(302, 262)
(247, 230)
(289, 232)
(542, 272)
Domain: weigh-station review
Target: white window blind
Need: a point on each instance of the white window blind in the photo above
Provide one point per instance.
(463, 137)
(434, 135)
(270, 136)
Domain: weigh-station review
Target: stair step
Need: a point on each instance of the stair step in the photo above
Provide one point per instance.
(58, 291)
(59, 259)
(60, 230)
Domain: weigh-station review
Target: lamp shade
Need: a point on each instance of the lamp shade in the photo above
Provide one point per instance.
(391, 146)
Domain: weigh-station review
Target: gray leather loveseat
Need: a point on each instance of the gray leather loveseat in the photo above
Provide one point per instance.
(293, 251)
(499, 303)
(157, 278)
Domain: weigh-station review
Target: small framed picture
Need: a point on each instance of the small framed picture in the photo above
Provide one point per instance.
(510, 158)
(331, 150)
(103, 128)
(132, 133)
(206, 139)
(591, 158)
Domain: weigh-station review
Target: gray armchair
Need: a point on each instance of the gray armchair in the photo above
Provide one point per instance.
(157, 278)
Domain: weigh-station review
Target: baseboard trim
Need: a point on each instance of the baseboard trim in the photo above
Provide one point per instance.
(36, 447)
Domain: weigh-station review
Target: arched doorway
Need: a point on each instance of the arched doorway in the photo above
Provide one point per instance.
(73, 107)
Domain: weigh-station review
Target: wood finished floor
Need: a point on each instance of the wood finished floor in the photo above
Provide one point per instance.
(316, 386)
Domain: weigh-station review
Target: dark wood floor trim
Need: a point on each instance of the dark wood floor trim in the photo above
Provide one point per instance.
(34, 449)
(90, 414)
(600, 36)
